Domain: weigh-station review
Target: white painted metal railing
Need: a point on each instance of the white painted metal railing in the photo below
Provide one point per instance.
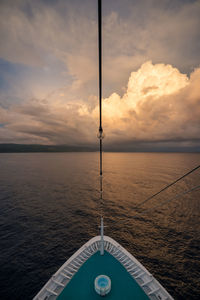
(140, 274)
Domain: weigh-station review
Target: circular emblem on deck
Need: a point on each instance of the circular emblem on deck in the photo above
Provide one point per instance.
(102, 285)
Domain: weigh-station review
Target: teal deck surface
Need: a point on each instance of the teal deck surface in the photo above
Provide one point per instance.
(123, 286)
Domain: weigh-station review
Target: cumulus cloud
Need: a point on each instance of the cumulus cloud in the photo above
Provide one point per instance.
(163, 32)
(49, 51)
(160, 105)
(32, 32)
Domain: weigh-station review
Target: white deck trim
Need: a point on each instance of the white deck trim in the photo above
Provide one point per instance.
(55, 285)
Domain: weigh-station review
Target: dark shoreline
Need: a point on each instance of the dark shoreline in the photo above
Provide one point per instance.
(37, 148)
(23, 148)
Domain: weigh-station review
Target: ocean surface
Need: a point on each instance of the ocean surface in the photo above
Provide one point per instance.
(49, 207)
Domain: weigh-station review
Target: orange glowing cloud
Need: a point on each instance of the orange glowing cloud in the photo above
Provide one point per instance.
(154, 106)
(160, 104)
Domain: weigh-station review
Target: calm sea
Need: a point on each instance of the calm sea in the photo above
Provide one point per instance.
(49, 208)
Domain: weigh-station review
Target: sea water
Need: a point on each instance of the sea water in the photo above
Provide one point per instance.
(49, 207)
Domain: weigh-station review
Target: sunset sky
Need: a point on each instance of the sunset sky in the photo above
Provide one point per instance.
(151, 73)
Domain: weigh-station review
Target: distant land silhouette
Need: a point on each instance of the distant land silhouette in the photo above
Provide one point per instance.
(15, 148)
(116, 147)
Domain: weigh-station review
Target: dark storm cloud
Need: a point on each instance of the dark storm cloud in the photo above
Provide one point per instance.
(49, 53)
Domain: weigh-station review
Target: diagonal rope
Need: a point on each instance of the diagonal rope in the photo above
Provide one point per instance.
(147, 210)
(166, 187)
(195, 188)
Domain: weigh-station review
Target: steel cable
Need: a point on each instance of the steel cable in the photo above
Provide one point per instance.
(100, 134)
(166, 187)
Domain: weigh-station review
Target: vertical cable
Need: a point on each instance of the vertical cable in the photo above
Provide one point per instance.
(100, 62)
(100, 135)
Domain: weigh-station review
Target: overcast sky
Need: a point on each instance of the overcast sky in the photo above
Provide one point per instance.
(151, 73)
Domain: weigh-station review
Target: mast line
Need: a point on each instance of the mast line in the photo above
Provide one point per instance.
(100, 62)
(100, 135)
